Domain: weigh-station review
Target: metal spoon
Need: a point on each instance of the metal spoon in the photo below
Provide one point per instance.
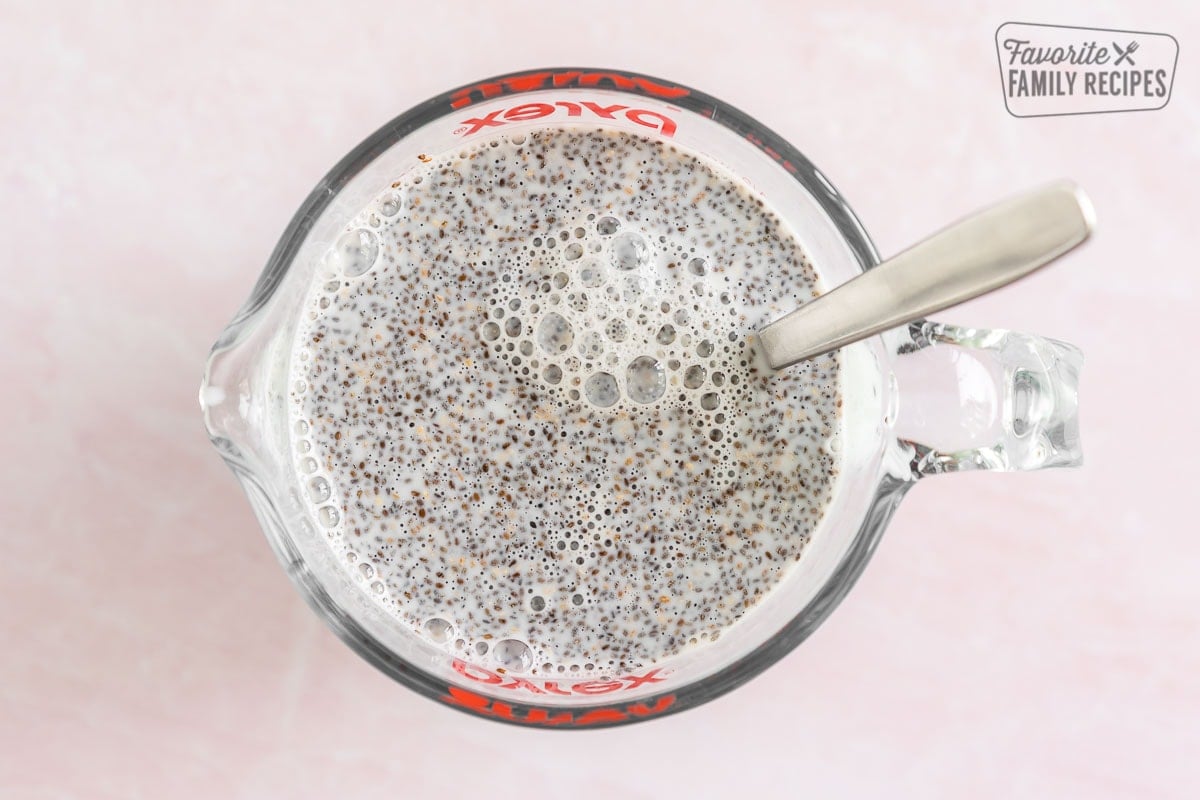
(987, 250)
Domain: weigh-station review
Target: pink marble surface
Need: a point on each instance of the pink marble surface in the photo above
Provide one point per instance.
(1016, 635)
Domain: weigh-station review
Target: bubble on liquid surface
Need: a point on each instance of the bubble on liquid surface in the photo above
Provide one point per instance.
(513, 655)
(633, 287)
(552, 374)
(645, 379)
(318, 490)
(555, 334)
(629, 251)
(356, 251)
(607, 226)
(439, 630)
(666, 334)
(490, 331)
(617, 330)
(390, 205)
(694, 376)
(590, 274)
(601, 389)
(593, 345)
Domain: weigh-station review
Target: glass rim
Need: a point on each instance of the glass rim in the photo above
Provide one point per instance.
(887, 495)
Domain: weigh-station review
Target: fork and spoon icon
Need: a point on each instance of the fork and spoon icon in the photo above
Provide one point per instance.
(1126, 54)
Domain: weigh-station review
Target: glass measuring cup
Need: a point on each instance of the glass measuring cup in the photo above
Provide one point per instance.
(925, 399)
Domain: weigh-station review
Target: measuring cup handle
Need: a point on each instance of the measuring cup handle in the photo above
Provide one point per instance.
(1033, 398)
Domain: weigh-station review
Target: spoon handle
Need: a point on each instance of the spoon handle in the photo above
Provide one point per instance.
(987, 250)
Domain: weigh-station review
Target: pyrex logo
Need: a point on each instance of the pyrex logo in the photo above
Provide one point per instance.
(534, 715)
(464, 698)
(654, 120)
(532, 81)
(589, 687)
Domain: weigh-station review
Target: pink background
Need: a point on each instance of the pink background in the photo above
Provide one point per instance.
(1015, 636)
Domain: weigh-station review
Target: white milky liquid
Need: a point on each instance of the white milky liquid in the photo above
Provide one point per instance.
(529, 414)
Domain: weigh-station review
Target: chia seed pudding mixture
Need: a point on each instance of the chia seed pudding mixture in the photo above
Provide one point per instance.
(528, 412)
